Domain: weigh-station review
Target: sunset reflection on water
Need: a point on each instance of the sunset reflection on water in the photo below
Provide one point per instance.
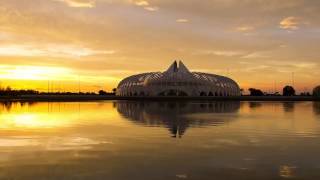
(158, 140)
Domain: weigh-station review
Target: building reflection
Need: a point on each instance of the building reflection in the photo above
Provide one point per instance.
(177, 116)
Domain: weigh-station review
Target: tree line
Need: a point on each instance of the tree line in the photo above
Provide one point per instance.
(286, 91)
(8, 91)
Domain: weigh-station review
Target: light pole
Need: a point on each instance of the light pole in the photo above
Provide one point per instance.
(292, 79)
(79, 84)
(48, 86)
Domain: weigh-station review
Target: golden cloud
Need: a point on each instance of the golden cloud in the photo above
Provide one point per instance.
(149, 8)
(142, 3)
(256, 55)
(289, 23)
(182, 20)
(244, 28)
(52, 50)
(119, 36)
(146, 5)
(225, 53)
(79, 3)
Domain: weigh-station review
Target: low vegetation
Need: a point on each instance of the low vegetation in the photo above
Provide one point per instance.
(13, 92)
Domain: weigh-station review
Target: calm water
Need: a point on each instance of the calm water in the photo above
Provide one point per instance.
(160, 140)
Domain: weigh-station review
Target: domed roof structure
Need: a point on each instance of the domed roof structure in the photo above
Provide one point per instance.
(177, 81)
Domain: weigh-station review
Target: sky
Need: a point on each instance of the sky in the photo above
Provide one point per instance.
(68, 45)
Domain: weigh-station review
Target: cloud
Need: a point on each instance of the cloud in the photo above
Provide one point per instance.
(76, 32)
(305, 65)
(146, 5)
(142, 3)
(149, 8)
(244, 28)
(182, 20)
(79, 3)
(255, 55)
(227, 53)
(52, 50)
(289, 23)
(34, 72)
(256, 68)
(4, 36)
(222, 53)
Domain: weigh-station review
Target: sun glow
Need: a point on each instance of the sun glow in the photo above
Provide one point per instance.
(50, 50)
(33, 72)
(53, 115)
(31, 120)
(55, 79)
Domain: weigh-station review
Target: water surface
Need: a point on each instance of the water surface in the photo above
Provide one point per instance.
(160, 140)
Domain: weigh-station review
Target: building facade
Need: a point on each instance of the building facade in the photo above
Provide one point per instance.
(177, 81)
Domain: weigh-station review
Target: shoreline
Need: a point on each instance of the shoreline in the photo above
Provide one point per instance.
(74, 98)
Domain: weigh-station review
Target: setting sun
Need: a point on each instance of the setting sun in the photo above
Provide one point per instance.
(34, 73)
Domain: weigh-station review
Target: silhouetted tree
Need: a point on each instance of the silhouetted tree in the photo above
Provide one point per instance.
(114, 90)
(289, 91)
(12, 92)
(305, 94)
(316, 91)
(8, 89)
(102, 92)
(241, 91)
(255, 92)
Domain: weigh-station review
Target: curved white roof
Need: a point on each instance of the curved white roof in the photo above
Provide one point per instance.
(178, 79)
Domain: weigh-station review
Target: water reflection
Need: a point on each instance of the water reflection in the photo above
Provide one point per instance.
(8, 105)
(178, 116)
(101, 140)
(316, 108)
(254, 105)
(288, 106)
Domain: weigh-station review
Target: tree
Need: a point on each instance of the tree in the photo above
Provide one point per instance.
(241, 91)
(316, 91)
(114, 90)
(255, 92)
(102, 92)
(8, 89)
(289, 91)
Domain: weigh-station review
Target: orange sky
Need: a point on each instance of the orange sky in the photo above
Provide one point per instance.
(99, 42)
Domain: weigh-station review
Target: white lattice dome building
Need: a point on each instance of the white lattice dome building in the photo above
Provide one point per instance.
(177, 81)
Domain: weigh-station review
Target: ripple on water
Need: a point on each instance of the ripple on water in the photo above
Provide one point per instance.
(286, 171)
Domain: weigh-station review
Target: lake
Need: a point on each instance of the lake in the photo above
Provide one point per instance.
(118, 140)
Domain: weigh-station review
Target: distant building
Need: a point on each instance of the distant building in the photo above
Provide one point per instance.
(177, 81)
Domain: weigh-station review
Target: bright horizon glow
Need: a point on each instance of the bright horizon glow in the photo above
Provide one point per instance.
(41, 116)
(34, 73)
